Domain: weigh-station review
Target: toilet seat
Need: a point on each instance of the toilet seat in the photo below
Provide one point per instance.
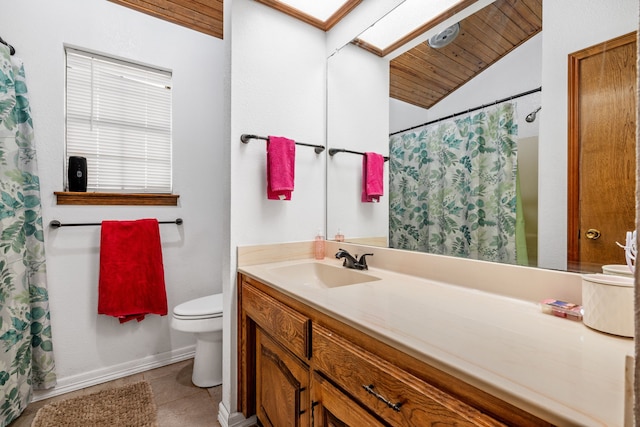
(208, 307)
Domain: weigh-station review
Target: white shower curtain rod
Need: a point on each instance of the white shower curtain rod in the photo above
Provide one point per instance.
(498, 101)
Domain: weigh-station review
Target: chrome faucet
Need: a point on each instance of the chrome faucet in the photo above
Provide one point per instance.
(352, 262)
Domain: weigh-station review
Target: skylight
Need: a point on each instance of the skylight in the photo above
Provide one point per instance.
(404, 20)
(322, 14)
(321, 10)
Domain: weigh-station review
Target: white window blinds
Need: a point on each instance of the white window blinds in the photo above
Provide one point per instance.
(118, 116)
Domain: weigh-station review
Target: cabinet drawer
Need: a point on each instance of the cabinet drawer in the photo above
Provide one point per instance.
(393, 394)
(332, 408)
(282, 323)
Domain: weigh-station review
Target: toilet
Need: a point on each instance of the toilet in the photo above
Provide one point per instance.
(203, 317)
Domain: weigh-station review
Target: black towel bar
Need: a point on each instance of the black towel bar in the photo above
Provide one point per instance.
(57, 224)
(333, 151)
(245, 137)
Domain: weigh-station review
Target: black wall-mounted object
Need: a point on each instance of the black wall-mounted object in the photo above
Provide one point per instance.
(77, 174)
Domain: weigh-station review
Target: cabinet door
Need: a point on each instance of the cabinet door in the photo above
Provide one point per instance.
(332, 408)
(282, 385)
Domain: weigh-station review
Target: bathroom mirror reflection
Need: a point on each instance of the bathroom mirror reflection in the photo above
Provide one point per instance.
(362, 115)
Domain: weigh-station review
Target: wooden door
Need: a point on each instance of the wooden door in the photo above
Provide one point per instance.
(602, 157)
(282, 385)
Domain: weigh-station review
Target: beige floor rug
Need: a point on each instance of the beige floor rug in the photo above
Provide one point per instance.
(131, 405)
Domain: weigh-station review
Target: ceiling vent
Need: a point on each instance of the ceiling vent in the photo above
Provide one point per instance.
(445, 36)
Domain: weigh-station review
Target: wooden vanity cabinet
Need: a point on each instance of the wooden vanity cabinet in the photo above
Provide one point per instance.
(301, 367)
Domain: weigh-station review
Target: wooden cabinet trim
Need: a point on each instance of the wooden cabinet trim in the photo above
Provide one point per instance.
(246, 358)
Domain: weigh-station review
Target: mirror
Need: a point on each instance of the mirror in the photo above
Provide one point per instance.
(360, 117)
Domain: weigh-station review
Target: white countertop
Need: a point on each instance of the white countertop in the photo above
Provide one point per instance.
(557, 369)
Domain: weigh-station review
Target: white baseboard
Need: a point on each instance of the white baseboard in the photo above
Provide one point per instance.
(99, 376)
(234, 420)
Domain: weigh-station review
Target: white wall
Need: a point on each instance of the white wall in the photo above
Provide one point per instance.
(90, 347)
(277, 88)
(357, 120)
(569, 26)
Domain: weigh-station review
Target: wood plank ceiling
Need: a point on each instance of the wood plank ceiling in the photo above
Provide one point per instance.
(423, 75)
(200, 15)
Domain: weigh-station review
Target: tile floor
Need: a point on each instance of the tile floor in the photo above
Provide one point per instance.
(179, 402)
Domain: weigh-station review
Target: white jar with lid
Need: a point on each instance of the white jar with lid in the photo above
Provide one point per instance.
(608, 303)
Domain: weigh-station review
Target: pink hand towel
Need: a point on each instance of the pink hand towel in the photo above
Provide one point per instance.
(372, 177)
(281, 161)
(131, 281)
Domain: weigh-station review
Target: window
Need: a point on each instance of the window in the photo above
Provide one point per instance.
(118, 116)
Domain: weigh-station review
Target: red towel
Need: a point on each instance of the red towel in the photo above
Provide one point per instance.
(281, 161)
(131, 272)
(372, 177)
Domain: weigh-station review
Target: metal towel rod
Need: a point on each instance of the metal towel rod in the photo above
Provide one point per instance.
(245, 137)
(333, 151)
(57, 224)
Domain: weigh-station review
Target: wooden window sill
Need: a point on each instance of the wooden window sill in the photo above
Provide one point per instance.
(143, 199)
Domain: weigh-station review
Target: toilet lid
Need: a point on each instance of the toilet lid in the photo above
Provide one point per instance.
(209, 306)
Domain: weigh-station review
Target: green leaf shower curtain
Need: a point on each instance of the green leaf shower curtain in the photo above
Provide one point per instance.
(26, 353)
(452, 187)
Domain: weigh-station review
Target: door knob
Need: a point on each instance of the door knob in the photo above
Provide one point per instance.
(592, 234)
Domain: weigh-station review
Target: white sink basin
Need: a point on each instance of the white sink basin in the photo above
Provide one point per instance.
(320, 275)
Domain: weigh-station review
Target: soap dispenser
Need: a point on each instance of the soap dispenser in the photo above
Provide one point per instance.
(319, 245)
(339, 236)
